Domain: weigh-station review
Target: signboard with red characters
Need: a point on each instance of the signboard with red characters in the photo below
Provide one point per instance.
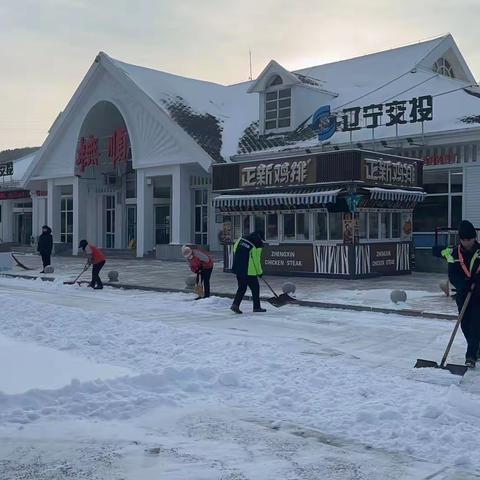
(118, 146)
(87, 153)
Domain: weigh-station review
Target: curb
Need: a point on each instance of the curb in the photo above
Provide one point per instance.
(303, 303)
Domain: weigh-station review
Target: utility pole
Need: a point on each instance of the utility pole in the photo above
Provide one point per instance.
(250, 56)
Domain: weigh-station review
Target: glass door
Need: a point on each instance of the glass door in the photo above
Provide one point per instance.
(162, 224)
(110, 221)
(131, 225)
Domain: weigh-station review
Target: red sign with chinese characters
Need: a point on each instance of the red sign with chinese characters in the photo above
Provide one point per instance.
(87, 153)
(445, 159)
(118, 146)
(14, 194)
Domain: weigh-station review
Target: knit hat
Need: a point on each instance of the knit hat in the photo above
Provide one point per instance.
(466, 230)
(186, 251)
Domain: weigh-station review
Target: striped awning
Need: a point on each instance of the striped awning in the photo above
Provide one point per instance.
(276, 200)
(377, 193)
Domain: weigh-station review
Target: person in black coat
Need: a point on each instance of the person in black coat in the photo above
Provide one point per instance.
(464, 274)
(45, 245)
(247, 252)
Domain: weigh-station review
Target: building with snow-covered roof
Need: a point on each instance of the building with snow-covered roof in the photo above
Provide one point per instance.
(128, 162)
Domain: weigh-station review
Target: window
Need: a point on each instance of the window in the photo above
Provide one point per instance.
(289, 226)
(442, 206)
(363, 225)
(272, 227)
(431, 213)
(131, 185)
(66, 217)
(385, 224)
(296, 226)
(236, 227)
(246, 225)
(443, 67)
(373, 226)
(201, 217)
(259, 223)
(335, 224)
(396, 225)
(321, 232)
(303, 230)
(278, 105)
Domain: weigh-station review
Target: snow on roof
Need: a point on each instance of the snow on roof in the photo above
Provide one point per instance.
(20, 166)
(223, 120)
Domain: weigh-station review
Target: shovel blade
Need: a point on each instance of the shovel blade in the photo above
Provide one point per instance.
(452, 368)
(281, 300)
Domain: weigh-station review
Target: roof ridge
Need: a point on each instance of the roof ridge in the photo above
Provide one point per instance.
(439, 38)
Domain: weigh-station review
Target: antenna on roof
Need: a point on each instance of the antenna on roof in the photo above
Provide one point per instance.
(250, 56)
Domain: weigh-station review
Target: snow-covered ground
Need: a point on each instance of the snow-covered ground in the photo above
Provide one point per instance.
(138, 385)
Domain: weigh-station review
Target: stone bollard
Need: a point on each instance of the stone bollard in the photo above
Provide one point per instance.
(398, 296)
(289, 287)
(113, 276)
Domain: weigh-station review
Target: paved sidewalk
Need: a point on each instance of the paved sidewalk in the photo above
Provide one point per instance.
(423, 292)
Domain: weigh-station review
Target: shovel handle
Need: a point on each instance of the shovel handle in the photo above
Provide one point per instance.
(268, 285)
(457, 324)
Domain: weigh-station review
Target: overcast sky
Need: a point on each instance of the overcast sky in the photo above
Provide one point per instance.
(47, 46)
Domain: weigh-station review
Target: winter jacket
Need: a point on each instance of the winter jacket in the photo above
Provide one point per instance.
(200, 260)
(45, 242)
(247, 257)
(457, 274)
(95, 255)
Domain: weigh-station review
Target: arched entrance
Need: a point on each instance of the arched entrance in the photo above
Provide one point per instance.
(106, 180)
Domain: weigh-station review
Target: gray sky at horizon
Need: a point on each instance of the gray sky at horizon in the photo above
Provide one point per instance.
(47, 46)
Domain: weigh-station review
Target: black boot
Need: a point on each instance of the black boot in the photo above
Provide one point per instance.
(98, 286)
(470, 362)
(259, 310)
(234, 308)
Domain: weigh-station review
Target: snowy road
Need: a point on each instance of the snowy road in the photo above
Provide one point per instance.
(295, 393)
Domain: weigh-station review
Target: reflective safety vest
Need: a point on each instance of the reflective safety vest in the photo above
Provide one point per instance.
(255, 258)
(447, 253)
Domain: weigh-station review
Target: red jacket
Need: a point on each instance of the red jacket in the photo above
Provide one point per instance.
(200, 260)
(97, 255)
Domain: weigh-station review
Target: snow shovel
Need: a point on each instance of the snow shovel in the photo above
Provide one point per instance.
(452, 368)
(20, 264)
(278, 300)
(85, 268)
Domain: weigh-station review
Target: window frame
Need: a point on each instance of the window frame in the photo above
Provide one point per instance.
(279, 111)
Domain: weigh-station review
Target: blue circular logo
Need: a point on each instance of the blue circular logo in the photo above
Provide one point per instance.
(324, 123)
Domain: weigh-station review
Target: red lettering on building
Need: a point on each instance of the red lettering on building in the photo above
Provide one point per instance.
(445, 159)
(118, 146)
(87, 153)
(14, 194)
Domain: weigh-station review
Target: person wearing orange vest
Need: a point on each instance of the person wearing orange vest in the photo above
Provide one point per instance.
(464, 274)
(96, 258)
(200, 263)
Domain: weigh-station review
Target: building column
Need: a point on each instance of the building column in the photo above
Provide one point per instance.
(53, 209)
(80, 197)
(144, 213)
(181, 207)
(6, 234)
(35, 216)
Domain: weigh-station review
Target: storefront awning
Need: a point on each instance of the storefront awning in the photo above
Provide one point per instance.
(377, 193)
(265, 200)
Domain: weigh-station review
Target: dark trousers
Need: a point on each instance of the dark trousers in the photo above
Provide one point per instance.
(243, 283)
(205, 276)
(471, 326)
(96, 274)
(45, 259)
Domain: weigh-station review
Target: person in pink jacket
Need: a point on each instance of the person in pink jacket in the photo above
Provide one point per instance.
(201, 263)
